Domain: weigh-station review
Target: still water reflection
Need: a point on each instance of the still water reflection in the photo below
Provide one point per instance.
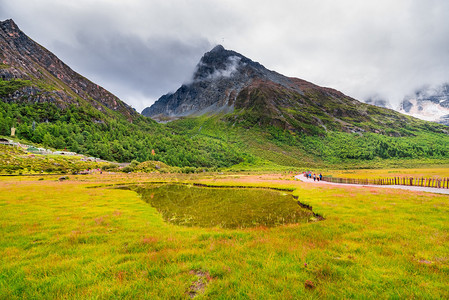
(223, 207)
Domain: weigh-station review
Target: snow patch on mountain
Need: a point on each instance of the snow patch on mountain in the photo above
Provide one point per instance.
(422, 109)
(428, 103)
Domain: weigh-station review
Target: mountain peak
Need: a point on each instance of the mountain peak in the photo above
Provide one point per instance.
(218, 79)
(9, 26)
(241, 91)
(218, 48)
(220, 61)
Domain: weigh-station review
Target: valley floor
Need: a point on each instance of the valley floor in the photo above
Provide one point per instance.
(80, 238)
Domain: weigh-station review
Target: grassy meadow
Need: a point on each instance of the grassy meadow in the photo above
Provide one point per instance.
(80, 238)
(441, 171)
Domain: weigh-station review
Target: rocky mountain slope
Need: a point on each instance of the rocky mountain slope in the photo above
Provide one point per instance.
(219, 78)
(30, 73)
(245, 92)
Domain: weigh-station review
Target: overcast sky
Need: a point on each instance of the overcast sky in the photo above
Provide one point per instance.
(140, 50)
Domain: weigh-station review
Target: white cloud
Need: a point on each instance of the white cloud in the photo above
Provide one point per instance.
(231, 66)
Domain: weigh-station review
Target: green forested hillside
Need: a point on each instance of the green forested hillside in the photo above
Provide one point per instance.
(207, 142)
(271, 144)
(90, 132)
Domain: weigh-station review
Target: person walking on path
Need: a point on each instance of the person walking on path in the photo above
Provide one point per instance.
(321, 177)
(314, 176)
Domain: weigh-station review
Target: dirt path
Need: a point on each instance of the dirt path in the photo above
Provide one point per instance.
(401, 187)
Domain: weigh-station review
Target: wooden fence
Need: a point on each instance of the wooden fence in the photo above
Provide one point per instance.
(410, 181)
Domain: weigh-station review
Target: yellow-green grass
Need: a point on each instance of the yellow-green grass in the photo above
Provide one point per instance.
(66, 240)
(441, 171)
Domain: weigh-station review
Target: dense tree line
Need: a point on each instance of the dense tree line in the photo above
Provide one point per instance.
(340, 146)
(88, 131)
(332, 146)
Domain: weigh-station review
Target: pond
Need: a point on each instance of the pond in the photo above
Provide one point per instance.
(189, 205)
